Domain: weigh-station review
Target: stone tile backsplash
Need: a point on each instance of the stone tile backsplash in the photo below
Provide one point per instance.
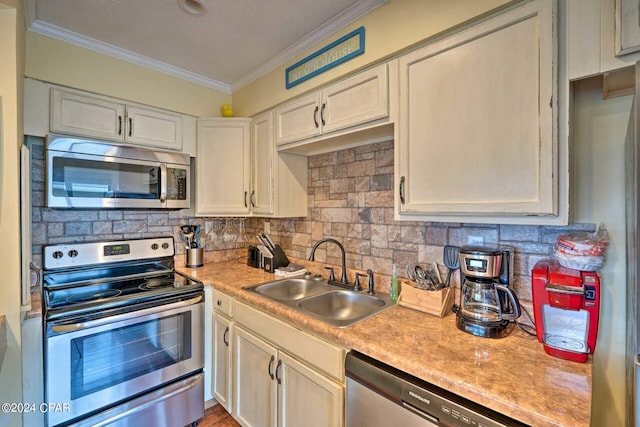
(350, 197)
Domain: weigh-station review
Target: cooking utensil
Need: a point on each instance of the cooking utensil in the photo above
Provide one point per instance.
(451, 260)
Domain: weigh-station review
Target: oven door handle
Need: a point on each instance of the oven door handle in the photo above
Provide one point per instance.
(73, 327)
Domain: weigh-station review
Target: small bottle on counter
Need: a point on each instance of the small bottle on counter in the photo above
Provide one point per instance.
(393, 289)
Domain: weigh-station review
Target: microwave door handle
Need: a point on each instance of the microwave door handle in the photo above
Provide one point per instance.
(163, 182)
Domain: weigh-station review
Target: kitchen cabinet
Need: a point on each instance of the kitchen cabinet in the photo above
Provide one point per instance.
(298, 381)
(238, 171)
(78, 113)
(591, 27)
(279, 180)
(362, 98)
(223, 335)
(477, 135)
(103, 115)
(223, 168)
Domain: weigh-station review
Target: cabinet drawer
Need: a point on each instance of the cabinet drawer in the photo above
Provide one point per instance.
(314, 351)
(223, 303)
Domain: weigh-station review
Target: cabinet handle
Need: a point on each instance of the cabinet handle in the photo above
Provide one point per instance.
(322, 113)
(252, 199)
(119, 125)
(219, 302)
(245, 199)
(130, 126)
(315, 117)
(271, 363)
(277, 369)
(402, 190)
(225, 338)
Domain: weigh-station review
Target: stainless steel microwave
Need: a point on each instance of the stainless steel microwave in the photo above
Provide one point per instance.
(94, 174)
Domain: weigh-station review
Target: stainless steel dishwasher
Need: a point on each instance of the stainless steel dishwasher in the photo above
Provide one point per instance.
(380, 395)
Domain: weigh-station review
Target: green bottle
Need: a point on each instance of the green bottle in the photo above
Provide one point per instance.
(393, 289)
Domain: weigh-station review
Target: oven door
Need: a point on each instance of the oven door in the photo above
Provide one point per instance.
(99, 363)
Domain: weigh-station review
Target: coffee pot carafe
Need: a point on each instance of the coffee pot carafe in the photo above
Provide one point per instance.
(487, 304)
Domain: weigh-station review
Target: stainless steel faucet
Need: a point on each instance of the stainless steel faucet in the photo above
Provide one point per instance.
(343, 276)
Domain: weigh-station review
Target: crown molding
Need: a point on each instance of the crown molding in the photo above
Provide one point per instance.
(65, 35)
(349, 15)
(357, 10)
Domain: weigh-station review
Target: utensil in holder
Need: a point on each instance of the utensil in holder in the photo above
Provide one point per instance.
(194, 257)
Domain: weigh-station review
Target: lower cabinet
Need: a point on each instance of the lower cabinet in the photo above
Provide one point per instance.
(222, 358)
(274, 389)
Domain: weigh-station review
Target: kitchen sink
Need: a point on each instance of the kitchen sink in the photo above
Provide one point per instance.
(323, 301)
(290, 289)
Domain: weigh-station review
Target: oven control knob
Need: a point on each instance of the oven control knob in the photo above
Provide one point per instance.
(154, 246)
(58, 254)
(165, 246)
(73, 253)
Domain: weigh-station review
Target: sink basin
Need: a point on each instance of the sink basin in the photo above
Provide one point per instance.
(327, 302)
(290, 289)
(343, 307)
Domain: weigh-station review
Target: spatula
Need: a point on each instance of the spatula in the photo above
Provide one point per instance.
(451, 260)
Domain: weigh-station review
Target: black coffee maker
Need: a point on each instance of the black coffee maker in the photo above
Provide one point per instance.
(487, 304)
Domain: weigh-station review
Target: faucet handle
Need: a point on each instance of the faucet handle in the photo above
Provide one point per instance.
(371, 284)
(356, 283)
(332, 274)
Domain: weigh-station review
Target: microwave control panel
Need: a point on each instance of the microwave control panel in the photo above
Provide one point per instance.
(176, 184)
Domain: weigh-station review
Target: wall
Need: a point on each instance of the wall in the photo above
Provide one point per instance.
(390, 28)
(11, 68)
(58, 62)
(598, 195)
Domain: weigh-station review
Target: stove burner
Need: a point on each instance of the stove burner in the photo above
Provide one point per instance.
(151, 284)
(107, 293)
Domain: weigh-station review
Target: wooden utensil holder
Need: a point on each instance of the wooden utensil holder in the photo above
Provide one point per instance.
(437, 303)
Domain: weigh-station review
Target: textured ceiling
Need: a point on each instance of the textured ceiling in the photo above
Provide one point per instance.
(233, 39)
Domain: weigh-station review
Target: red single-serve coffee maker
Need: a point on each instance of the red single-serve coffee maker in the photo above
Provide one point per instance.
(566, 303)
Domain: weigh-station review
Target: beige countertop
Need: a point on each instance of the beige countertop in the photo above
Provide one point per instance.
(512, 375)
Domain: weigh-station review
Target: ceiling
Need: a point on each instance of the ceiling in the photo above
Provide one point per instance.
(233, 43)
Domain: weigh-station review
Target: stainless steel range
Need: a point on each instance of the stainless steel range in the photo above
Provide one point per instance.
(123, 339)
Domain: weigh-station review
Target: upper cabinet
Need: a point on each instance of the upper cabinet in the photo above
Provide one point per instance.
(80, 114)
(476, 135)
(596, 41)
(357, 100)
(239, 172)
(50, 108)
(223, 168)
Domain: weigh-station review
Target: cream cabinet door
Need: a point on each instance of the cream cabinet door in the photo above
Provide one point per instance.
(223, 167)
(254, 376)
(305, 397)
(359, 99)
(298, 119)
(222, 352)
(84, 115)
(477, 131)
(145, 126)
(263, 151)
